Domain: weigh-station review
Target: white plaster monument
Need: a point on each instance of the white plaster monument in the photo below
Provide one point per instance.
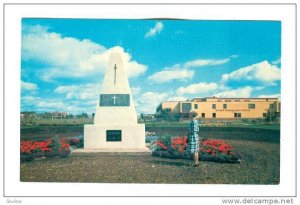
(115, 123)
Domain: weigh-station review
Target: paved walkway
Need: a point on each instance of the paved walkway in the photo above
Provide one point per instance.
(146, 149)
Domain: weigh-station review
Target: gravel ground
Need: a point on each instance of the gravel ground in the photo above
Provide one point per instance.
(260, 165)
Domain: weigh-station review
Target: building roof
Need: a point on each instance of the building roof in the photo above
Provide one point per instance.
(242, 98)
(223, 98)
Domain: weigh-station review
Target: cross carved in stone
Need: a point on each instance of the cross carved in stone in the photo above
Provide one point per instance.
(114, 97)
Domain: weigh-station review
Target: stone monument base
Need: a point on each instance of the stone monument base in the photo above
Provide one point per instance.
(112, 137)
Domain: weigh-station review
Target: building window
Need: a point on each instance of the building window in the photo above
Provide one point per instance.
(237, 115)
(186, 107)
(213, 106)
(251, 106)
(203, 115)
(214, 115)
(264, 114)
(224, 106)
(271, 106)
(195, 106)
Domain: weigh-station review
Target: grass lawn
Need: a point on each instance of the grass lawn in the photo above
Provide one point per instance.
(260, 165)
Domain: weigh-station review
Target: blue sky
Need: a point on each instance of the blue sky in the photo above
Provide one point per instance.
(64, 60)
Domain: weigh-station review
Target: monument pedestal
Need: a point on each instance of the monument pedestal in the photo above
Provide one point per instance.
(107, 136)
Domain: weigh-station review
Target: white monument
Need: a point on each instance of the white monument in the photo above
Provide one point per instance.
(115, 124)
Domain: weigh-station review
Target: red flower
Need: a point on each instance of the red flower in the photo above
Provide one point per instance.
(179, 143)
(208, 151)
(211, 147)
(27, 147)
(161, 144)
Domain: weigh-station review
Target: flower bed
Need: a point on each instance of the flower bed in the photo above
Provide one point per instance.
(209, 150)
(31, 150)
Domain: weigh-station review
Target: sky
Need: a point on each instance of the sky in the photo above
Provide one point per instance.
(63, 61)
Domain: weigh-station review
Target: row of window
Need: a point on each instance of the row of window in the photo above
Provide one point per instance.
(238, 100)
(236, 115)
(250, 106)
(214, 106)
(186, 107)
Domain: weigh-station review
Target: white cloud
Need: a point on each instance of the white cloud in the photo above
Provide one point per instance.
(28, 99)
(80, 92)
(90, 103)
(205, 62)
(156, 29)
(172, 73)
(234, 56)
(277, 95)
(53, 104)
(262, 73)
(39, 104)
(28, 86)
(177, 98)
(197, 88)
(277, 61)
(235, 93)
(135, 90)
(148, 102)
(70, 57)
(52, 48)
(183, 72)
(42, 103)
(259, 87)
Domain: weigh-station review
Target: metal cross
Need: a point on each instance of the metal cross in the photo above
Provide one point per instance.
(115, 79)
(114, 99)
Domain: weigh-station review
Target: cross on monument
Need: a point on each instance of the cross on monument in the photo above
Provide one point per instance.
(114, 97)
(115, 79)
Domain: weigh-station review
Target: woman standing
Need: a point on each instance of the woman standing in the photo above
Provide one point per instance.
(193, 141)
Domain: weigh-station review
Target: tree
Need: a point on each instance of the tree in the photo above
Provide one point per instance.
(46, 115)
(83, 115)
(192, 114)
(166, 114)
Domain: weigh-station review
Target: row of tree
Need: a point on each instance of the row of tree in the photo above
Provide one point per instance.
(166, 114)
(49, 115)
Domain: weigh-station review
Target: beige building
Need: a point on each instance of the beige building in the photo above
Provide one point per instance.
(224, 108)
